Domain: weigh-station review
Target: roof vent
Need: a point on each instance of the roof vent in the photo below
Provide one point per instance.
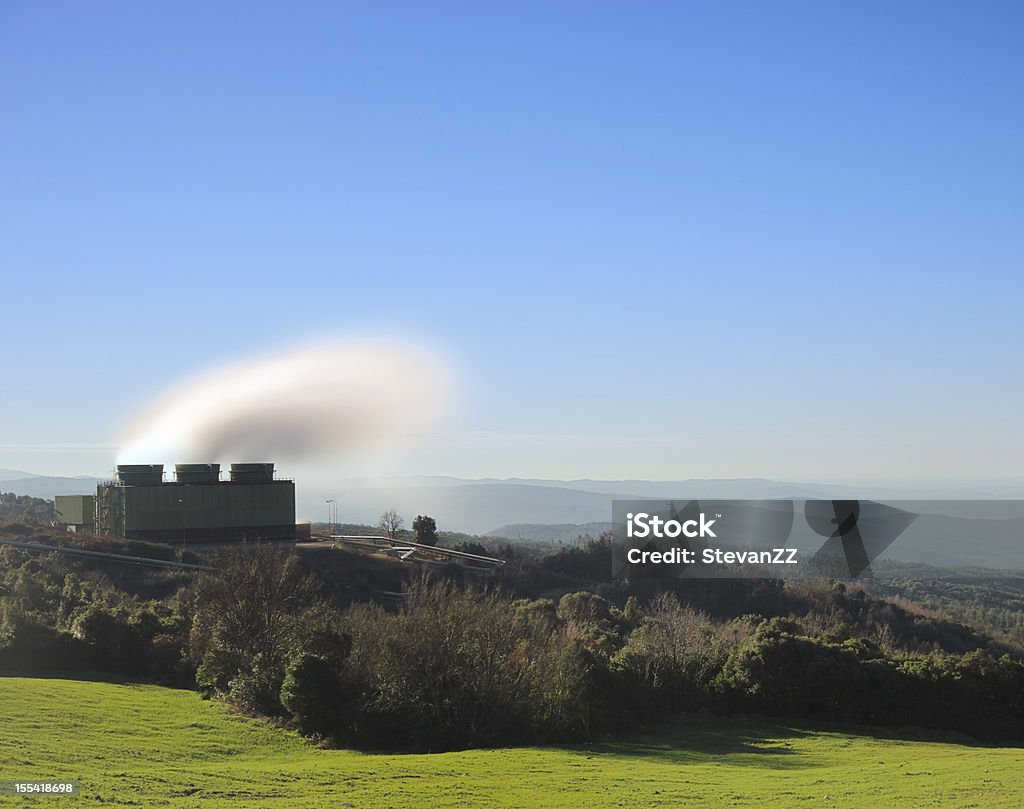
(197, 472)
(252, 473)
(141, 474)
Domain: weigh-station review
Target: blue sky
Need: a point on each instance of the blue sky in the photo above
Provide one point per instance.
(657, 240)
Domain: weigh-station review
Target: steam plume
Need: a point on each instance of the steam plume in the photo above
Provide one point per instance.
(315, 401)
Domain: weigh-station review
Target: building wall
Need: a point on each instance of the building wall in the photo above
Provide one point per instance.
(74, 509)
(200, 512)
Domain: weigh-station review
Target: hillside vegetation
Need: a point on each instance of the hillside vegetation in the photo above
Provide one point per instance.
(450, 666)
(135, 745)
(22, 507)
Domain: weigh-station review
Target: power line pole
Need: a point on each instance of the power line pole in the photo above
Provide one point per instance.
(330, 517)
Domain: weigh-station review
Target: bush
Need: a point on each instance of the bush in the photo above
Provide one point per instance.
(314, 694)
(780, 673)
(256, 692)
(29, 646)
(457, 668)
(250, 618)
(672, 657)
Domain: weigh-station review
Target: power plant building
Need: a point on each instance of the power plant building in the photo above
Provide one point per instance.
(77, 512)
(197, 506)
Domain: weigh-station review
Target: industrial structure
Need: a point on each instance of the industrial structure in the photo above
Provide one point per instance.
(76, 512)
(195, 507)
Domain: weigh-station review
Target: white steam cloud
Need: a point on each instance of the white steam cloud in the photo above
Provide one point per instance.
(317, 401)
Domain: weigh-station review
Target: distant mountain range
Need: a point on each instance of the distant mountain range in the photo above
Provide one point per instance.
(469, 507)
(481, 506)
(541, 532)
(554, 510)
(14, 474)
(472, 506)
(46, 487)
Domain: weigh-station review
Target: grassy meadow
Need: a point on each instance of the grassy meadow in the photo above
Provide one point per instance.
(141, 745)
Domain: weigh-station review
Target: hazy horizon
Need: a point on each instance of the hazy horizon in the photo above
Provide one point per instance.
(317, 479)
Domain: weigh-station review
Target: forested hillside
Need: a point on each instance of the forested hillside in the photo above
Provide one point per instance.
(28, 509)
(550, 650)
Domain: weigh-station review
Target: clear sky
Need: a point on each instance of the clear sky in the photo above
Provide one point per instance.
(657, 240)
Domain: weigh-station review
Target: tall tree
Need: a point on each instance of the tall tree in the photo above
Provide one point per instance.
(425, 529)
(251, 614)
(390, 523)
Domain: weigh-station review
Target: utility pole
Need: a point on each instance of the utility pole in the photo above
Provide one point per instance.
(330, 517)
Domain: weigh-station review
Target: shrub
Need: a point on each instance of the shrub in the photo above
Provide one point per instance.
(457, 668)
(250, 618)
(672, 656)
(314, 694)
(256, 692)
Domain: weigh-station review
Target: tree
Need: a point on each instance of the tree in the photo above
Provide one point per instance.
(425, 529)
(390, 523)
(469, 546)
(251, 617)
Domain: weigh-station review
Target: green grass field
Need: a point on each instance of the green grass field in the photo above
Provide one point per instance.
(133, 745)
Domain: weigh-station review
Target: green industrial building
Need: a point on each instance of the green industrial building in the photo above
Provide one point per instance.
(76, 511)
(196, 507)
